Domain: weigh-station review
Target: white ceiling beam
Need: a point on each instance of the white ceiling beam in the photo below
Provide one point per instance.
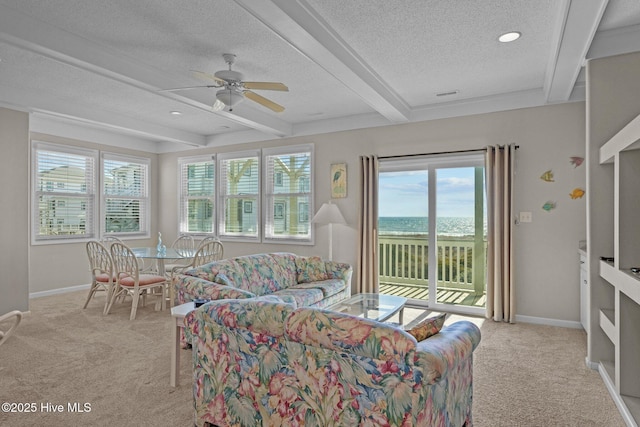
(297, 23)
(576, 27)
(615, 42)
(32, 101)
(39, 37)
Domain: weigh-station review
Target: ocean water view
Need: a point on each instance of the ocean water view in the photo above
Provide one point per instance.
(450, 226)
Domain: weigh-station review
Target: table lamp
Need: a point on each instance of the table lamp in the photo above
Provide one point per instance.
(329, 214)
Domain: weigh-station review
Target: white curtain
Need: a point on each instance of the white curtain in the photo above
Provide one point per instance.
(500, 287)
(367, 263)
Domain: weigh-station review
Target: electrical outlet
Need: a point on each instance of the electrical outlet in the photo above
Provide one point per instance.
(525, 217)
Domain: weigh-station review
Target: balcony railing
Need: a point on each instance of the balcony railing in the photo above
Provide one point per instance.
(404, 264)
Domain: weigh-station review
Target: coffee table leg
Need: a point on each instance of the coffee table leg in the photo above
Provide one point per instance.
(401, 315)
(175, 355)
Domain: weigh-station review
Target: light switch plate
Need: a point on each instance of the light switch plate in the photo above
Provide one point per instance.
(525, 217)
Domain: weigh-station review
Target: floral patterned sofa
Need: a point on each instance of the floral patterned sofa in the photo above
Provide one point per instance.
(262, 362)
(304, 281)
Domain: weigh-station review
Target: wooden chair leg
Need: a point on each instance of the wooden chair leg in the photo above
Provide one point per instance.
(115, 294)
(92, 291)
(134, 305)
(106, 303)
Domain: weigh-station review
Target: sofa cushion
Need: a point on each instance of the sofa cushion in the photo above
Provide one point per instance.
(261, 315)
(302, 297)
(189, 288)
(311, 269)
(427, 327)
(284, 265)
(211, 270)
(341, 332)
(329, 287)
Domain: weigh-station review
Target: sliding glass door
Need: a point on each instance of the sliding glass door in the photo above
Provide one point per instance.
(432, 214)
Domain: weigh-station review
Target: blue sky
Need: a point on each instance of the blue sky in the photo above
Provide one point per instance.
(405, 193)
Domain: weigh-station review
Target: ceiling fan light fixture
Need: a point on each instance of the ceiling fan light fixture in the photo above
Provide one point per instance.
(230, 97)
(218, 105)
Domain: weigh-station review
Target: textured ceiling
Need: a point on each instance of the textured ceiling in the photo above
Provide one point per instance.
(347, 64)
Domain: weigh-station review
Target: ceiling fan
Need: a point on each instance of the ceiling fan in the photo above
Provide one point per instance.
(233, 89)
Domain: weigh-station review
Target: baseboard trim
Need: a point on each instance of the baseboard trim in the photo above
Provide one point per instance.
(611, 388)
(58, 291)
(549, 322)
(591, 365)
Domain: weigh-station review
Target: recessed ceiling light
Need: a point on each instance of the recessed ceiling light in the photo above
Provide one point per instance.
(176, 113)
(509, 37)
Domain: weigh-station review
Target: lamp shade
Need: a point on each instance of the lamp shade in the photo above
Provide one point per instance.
(328, 214)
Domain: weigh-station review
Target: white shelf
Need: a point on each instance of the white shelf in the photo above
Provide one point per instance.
(607, 323)
(626, 139)
(623, 280)
(608, 272)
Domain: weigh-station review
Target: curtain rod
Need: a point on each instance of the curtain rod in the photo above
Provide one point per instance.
(440, 152)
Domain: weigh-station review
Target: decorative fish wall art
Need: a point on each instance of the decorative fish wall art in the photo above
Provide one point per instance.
(549, 206)
(576, 161)
(577, 193)
(547, 176)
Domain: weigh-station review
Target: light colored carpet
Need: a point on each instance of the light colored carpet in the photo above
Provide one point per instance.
(524, 375)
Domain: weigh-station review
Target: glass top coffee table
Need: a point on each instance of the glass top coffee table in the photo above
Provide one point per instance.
(371, 306)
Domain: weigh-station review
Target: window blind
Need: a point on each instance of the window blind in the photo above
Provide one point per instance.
(288, 196)
(125, 194)
(239, 195)
(64, 192)
(197, 194)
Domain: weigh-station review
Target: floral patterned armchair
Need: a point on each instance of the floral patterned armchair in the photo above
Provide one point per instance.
(265, 363)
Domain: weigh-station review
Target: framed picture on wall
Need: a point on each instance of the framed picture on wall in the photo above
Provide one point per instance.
(338, 176)
(248, 207)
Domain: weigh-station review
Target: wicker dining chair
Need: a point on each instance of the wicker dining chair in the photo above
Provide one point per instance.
(209, 251)
(102, 275)
(130, 281)
(183, 244)
(15, 316)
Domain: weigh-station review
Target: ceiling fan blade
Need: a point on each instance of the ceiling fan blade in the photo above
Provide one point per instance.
(188, 87)
(266, 86)
(207, 76)
(264, 101)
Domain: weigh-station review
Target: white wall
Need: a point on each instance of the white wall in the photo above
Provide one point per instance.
(546, 259)
(14, 202)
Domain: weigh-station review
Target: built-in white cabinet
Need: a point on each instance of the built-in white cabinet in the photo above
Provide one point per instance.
(584, 291)
(618, 297)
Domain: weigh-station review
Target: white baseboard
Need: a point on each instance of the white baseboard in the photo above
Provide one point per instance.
(611, 387)
(58, 291)
(591, 365)
(550, 322)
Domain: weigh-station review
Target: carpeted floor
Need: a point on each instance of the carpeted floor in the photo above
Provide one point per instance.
(524, 375)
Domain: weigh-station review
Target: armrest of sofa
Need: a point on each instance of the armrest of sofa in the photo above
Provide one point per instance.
(339, 270)
(441, 352)
(188, 288)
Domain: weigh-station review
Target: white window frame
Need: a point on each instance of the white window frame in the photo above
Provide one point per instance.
(223, 198)
(183, 197)
(90, 197)
(145, 202)
(269, 194)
